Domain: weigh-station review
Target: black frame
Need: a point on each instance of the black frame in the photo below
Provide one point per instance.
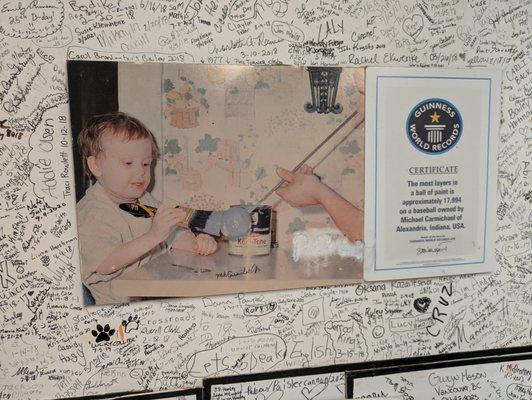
(429, 364)
(141, 395)
(370, 367)
(166, 394)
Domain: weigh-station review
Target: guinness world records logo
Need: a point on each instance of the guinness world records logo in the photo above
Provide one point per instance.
(434, 126)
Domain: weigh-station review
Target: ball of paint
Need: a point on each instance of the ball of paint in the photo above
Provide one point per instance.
(236, 222)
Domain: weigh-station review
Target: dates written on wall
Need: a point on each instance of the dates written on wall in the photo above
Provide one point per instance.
(433, 205)
(65, 166)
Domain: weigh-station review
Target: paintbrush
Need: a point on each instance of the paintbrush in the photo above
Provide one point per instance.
(233, 223)
(314, 151)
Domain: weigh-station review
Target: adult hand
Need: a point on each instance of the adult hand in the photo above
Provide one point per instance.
(301, 188)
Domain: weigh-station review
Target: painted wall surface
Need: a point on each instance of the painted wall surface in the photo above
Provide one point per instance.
(48, 339)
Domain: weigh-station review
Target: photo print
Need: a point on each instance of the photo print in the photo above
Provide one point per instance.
(196, 180)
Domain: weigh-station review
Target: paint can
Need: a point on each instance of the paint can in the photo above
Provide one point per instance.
(259, 240)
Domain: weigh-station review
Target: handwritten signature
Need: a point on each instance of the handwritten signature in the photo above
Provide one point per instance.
(254, 269)
(440, 248)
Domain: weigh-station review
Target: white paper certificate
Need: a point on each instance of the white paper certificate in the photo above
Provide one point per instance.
(431, 157)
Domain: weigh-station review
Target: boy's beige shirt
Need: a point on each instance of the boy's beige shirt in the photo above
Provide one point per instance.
(103, 226)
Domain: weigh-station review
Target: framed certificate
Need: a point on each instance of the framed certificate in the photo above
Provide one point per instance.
(472, 376)
(431, 147)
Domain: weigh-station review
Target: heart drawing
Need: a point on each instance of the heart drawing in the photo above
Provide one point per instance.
(422, 304)
(315, 391)
(413, 25)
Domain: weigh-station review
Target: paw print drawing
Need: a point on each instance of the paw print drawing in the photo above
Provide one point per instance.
(103, 333)
(132, 323)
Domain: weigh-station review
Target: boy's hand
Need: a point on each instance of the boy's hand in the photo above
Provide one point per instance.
(180, 215)
(205, 245)
(163, 223)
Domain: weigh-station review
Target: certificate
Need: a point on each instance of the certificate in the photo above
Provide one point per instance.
(431, 157)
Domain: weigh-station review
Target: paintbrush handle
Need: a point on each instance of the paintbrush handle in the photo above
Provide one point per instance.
(189, 215)
(142, 210)
(198, 221)
(307, 157)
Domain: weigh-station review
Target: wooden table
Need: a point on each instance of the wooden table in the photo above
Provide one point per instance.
(186, 274)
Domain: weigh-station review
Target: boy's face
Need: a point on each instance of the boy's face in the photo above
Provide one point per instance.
(123, 168)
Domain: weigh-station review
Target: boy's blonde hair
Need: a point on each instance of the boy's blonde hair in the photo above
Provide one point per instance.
(118, 124)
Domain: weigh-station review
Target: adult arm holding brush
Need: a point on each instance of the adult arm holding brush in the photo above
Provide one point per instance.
(304, 188)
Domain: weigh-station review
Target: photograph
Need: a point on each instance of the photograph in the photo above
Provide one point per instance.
(197, 180)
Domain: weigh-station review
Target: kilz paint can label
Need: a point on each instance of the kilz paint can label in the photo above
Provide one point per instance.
(259, 240)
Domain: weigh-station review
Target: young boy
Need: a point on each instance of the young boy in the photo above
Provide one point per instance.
(118, 152)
